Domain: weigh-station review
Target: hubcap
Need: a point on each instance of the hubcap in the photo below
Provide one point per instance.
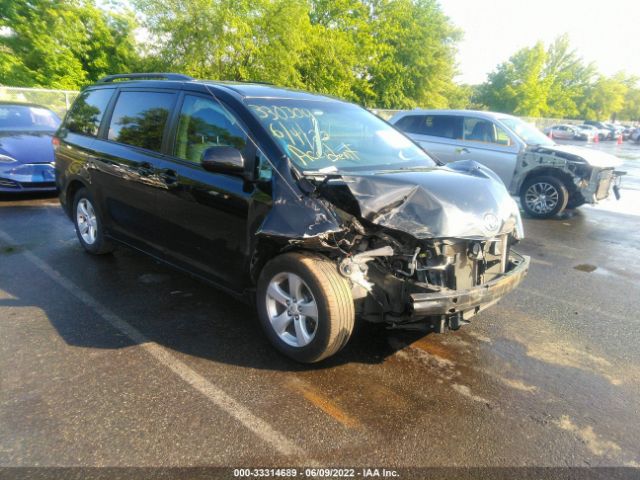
(541, 197)
(87, 222)
(292, 309)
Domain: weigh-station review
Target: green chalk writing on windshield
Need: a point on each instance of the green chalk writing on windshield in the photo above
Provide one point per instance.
(299, 130)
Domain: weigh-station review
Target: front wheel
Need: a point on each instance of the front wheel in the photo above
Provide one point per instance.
(543, 197)
(305, 306)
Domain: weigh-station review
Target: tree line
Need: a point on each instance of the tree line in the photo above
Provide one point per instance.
(379, 53)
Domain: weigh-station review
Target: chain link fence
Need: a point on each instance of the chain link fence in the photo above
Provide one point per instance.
(57, 100)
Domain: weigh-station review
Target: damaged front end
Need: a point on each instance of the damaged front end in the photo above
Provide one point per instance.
(590, 175)
(439, 281)
(426, 246)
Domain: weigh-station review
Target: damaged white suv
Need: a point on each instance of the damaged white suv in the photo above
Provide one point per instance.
(547, 177)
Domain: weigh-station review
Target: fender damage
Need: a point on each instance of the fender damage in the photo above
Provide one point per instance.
(589, 175)
(431, 245)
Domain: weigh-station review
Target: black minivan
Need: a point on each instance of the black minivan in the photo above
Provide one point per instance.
(314, 208)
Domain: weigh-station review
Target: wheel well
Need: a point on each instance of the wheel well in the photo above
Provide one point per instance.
(265, 249)
(564, 177)
(70, 193)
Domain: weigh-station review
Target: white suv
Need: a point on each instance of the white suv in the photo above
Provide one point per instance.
(547, 177)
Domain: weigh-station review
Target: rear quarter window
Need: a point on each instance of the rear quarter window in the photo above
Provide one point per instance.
(87, 112)
(406, 124)
(444, 126)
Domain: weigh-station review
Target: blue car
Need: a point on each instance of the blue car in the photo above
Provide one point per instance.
(26, 152)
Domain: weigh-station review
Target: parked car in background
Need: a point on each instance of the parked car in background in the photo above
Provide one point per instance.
(314, 208)
(569, 132)
(615, 129)
(626, 131)
(635, 135)
(547, 177)
(26, 153)
(564, 132)
(591, 131)
(605, 132)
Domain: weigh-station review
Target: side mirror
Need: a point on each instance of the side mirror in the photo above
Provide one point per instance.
(223, 159)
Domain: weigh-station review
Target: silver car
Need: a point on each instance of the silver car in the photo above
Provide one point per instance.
(547, 177)
(564, 132)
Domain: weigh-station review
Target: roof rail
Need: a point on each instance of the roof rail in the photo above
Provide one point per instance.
(257, 82)
(144, 76)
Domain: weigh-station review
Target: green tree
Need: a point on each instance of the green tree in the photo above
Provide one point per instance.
(631, 109)
(62, 44)
(604, 97)
(413, 54)
(379, 52)
(519, 85)
(568, 79)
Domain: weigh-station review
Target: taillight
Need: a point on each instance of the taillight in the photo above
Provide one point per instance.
(55, 141)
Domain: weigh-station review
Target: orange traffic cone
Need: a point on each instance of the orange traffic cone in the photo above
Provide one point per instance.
(620, 139)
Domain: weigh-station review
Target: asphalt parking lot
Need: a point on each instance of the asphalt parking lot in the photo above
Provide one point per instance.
(119, 361)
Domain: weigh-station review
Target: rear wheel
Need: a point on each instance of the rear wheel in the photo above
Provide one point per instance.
(543, 197)
(305, 306)
(88, 223)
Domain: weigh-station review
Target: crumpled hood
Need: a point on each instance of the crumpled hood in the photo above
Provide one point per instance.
(462, 200)
(27, 147)
(595, 158)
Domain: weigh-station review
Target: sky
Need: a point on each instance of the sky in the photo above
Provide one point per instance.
(606, 32)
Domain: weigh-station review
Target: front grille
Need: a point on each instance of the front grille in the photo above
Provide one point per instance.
(6, 183)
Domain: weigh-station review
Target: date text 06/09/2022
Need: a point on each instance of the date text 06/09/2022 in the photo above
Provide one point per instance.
(316, 472)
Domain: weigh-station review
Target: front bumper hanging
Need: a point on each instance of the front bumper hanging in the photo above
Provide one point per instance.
(472, 300)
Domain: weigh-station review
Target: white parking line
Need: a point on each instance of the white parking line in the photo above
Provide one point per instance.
(218, 397)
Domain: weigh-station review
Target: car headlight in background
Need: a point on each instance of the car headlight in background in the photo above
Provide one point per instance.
(7, 159)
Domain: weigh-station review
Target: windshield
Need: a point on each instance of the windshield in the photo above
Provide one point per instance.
(332, 136)
(527, 132)
(24, 117)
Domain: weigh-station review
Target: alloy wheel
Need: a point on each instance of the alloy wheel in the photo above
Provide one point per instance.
(292, 309)
(541, 197)
(87, 221)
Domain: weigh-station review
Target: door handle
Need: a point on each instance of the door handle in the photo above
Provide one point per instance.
(145, 169)
(462, 150)
(169, 177)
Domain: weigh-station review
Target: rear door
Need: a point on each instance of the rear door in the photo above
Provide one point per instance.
(488, 143)
(205, 215)
(126, 158)
(439, 134)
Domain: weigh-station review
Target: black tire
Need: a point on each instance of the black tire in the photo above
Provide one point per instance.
(100, 245)
(543, 182)
(332, 295)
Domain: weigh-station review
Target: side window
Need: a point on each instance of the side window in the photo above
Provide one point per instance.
(87, 112)
(205, 123)
(484, 131)
(407, 124)
(445, 126)
(139, 118)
